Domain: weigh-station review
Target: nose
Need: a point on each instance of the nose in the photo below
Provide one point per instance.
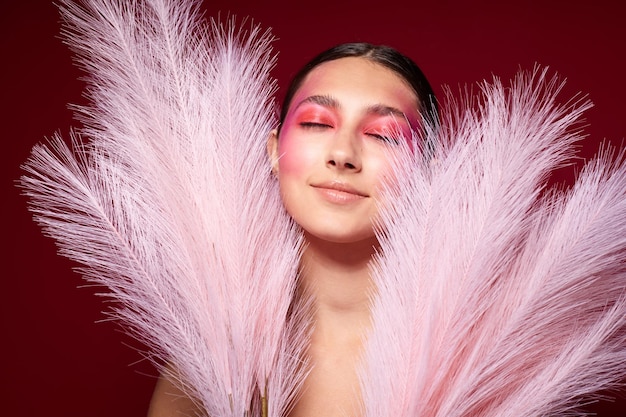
(344, 152)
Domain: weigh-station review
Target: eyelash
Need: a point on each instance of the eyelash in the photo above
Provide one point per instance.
(310, 125)
(386, 139)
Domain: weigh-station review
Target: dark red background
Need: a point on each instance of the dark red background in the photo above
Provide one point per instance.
(56, 360)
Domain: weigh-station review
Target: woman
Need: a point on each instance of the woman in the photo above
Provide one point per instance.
(340, 115)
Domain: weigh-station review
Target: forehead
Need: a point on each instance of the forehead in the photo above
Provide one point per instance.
(358, 81)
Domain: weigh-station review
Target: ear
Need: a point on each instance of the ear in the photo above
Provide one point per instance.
(272, 150)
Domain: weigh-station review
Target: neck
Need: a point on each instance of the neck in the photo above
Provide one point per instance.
(337, 276)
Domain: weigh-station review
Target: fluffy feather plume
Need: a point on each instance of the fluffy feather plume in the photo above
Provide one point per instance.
(170, 203)
(496, 297)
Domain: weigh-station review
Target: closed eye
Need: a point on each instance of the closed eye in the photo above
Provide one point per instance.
(314, 125)
(387, 139)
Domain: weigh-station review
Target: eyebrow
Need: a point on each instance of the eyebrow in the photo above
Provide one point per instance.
(376, 109)
(383, 110)
(326, 101)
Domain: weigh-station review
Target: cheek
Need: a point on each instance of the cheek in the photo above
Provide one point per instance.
(296, 157)
(382, 161)
(290, 162)
(387, 174)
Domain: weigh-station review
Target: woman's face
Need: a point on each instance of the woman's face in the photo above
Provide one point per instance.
(333, 150)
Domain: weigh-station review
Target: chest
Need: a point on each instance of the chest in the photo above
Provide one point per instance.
(332, 387)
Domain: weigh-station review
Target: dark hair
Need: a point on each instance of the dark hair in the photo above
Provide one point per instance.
(379, 54)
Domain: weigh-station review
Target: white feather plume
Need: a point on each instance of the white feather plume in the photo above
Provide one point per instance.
(170, 203)
(494, 299)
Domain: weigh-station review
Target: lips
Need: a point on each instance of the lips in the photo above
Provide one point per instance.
(339, 192)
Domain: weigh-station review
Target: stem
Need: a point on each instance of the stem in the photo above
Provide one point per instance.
(264, 404)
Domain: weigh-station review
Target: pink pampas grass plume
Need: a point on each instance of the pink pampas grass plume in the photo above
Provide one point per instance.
(493, 299)
(170, 202)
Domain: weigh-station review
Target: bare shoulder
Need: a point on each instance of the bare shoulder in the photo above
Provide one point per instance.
(170, 401)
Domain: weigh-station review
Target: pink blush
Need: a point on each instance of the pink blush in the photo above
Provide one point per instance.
(295, 156)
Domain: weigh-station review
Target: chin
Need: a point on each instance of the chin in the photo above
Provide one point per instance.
(335, 228)
(341, 238)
